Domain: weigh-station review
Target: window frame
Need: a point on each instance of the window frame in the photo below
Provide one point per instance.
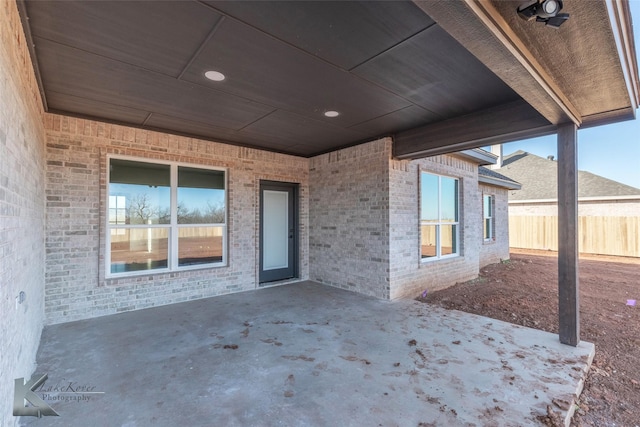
(491, 218)
(439, 222)
(173, 226)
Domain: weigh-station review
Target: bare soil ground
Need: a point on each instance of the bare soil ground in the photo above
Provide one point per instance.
(523, 290)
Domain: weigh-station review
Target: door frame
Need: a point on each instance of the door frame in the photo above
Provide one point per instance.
(293, 224)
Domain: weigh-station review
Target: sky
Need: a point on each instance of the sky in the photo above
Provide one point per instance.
(611, 151)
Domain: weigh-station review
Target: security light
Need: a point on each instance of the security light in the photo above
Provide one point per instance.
(550, 8)
(546, 11)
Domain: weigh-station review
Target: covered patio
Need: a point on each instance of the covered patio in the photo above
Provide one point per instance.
(305, 354)
(316, 130)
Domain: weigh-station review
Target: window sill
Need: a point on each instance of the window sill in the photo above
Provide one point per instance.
(162, 272)
(435, 259)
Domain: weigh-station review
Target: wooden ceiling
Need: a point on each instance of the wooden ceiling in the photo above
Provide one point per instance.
(384, 66)
(438, 75)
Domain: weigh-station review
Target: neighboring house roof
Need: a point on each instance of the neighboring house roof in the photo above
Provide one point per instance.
(539, 179)
(478, 155)
(485, 175)
(491, 177)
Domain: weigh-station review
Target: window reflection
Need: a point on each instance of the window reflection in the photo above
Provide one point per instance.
(139, 193)
(199, 245)
(438, 216)
(448, 199)
(164, 216)
(429, 200)
(135, 249)
(201, 196)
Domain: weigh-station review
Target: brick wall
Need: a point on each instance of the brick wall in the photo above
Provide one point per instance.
(542, 209)
(77, 150)
(349, 218)
(364, 222)
(22, 211)
(408, 275)
(498, 249)
(359, 219)
(630, 207)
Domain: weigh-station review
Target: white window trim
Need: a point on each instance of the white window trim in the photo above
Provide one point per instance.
(438, 256)
(173, 226)
(492, 231)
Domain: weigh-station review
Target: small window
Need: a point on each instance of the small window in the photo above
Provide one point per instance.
(487, 207)
(164, 217)
(439, 225)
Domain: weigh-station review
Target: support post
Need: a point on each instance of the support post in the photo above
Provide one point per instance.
(568, 284)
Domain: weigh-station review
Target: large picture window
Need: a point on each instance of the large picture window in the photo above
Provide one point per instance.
(164, 217)
(439, 226)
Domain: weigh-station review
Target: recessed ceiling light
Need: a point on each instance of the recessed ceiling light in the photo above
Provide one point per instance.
(216, 76)
(331, 113)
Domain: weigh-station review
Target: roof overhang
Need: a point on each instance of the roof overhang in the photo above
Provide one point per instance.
(478, 156)
(586, 72)
(489, 180)
(438, 76)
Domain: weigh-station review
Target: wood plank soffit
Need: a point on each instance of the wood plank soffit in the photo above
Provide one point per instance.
(480, 28)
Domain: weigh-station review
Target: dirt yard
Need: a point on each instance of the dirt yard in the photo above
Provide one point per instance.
(523, 290)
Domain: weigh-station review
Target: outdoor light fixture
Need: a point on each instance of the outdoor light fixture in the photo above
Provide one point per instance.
(546, 11)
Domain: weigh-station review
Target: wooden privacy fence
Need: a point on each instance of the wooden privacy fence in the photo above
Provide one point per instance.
(605, 235)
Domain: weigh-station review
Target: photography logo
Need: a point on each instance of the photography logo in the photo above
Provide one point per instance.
(62, 391)
(25, 391)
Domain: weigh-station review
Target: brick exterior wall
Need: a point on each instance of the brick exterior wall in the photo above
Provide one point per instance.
(359, 221)
(585, 208)
(542, 209)
(77, 150)
(349, 218)
(22, 210)
(610, 208)
(498, 249)
(364, 232)
(408, 275)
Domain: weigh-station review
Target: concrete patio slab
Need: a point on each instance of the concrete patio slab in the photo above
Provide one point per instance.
(304, 354)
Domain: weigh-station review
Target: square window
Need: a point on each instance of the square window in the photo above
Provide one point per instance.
(164, 217)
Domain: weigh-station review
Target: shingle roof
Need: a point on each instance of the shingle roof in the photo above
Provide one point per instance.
(495, 178)
(539, 179)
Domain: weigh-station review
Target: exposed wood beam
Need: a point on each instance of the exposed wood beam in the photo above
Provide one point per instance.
(497, 125)
(568, 284)
(480, 28)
